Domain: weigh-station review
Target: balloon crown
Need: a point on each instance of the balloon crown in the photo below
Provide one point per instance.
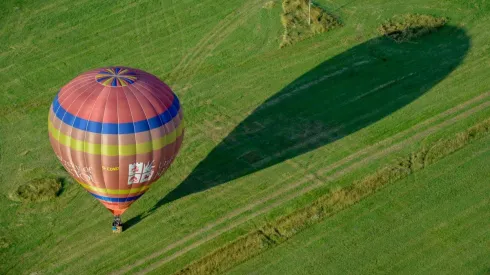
(116, 77)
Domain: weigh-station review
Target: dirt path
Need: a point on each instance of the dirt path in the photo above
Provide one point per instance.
(310, 177)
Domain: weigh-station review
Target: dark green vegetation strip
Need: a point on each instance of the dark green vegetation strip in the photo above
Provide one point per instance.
(36, 190)
(403, 28)
(285, 227)
(301, 21)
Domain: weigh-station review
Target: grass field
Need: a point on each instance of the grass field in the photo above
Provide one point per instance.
(268, 129)
(435, 221)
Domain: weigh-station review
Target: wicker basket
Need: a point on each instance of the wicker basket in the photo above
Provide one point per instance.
(117, 229)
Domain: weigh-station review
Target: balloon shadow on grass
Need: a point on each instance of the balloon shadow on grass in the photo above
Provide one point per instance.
(337, 98)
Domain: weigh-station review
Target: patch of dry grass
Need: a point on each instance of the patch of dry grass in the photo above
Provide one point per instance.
(269, 5)
(36, 190)
(299, 25)
(407, 27)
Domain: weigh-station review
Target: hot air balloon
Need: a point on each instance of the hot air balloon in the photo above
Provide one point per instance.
(116, 130)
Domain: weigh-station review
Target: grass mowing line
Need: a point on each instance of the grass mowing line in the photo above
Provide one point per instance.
(138, 34)
(476, 239)
(173, 4)
(176, 72)
(337, 229)
(335, 176)
(341, 227)
(36, 102)
(259, 68)
(222, 36)
(228, 24)
(283, 228)
(193, 66)
(107, 28)
(434, 243)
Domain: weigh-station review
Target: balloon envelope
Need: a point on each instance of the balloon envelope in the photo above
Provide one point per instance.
(116, 130)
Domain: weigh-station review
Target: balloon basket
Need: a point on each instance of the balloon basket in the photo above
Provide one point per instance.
(117, 224)
(117, 229)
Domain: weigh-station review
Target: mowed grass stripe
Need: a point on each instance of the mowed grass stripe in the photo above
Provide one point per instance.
(223, 28)
(246, 12)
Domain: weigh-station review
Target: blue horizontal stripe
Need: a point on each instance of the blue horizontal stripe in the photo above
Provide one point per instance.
(116, 128)
(116, 199)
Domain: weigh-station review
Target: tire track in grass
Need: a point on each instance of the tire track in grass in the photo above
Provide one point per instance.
(310, 177)
(433, 243)
(176, 72)
(198, 62)
(455, 253)
(140, 33)
(194, 59)
(179, 22)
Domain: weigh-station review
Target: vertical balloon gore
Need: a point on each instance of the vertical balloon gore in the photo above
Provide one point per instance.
(116, 130)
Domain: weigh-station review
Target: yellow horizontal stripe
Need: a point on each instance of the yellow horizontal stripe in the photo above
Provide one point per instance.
(113, 191)
(116, 150)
